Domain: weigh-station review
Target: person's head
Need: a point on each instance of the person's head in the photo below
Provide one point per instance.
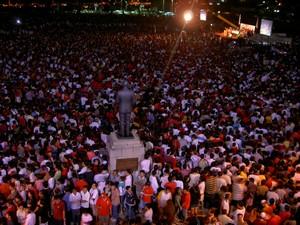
(287, 208)
(103, 194)
(142, 173)
(74, 191)
(94, 186)
(147, 206)
(128, 189)
(84, 189)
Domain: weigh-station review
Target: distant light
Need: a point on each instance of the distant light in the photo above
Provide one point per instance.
(188, 16)
(211, 24)
(18, 21)
(219, 12)
(218, 3)
(263, 2)
(210, 3)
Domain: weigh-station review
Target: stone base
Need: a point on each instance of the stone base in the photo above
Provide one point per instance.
(125, 153)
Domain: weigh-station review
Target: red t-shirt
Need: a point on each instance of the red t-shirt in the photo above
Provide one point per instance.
(147, 194)
(285, 215)
(275, 220)
(186, 200)
(58, 208)
(103, 206)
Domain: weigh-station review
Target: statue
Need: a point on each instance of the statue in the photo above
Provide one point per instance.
(125, 99)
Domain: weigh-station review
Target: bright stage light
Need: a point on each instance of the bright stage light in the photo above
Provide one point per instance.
(188, 16)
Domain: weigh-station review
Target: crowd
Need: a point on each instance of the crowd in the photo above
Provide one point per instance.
(219, 121)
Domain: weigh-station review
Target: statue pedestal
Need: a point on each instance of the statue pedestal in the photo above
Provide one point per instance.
(125, 153)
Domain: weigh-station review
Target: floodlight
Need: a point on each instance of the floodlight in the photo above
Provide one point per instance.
(188, 16)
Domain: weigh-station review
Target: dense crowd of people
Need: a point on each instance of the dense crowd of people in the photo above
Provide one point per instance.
(219, 121)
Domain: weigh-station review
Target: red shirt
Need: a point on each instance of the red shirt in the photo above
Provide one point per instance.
(103, 206)
(147, 194)
(186, 200)
(285, 215)
(58, 208)
(275, 220)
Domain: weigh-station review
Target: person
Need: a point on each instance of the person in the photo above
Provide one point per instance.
(225, 203)
(125, 98)
(104, 208)
(210, 190)
(186, 202)
(130, 203)
(168, 212)
(94, 193)
(177, 203)
(224, 219)
(41, 210)
(239, 213)
(148, 214)
(146, 195)
(86, 217)
(58, 211)
(21, 213)
(115, 201)
(75, 199)
(85, 198)
(162, 199)
(30, 217)
(195, 198)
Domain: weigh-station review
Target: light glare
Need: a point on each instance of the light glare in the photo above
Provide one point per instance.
(188, 16)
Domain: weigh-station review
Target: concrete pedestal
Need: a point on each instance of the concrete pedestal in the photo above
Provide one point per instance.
(125, 153)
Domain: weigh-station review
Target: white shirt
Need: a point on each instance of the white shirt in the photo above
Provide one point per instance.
(94, 196)
(145, 165)
(179, 184)
(85, 199)
(237, 212)
(164, 179)
(154, 183)
(30, 219)
(75, 200)
(51, 183)
(128, 181)
(164, 197)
